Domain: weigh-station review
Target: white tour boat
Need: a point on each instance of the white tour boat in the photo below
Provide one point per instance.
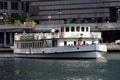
(61, 42)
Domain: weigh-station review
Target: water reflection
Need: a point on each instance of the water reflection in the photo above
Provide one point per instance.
(7, 69)
(59, 69)
(39, 69)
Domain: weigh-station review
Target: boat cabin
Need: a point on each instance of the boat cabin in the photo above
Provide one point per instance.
(62, 36)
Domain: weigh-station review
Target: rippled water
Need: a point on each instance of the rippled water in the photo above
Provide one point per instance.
(39, 69)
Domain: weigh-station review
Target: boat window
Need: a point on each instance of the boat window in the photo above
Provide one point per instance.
(86, 29)
(72, 29)
(67, 29)
(77, 28)
(65, 43)
(33, 45)
(74, 42)
(21, 45)
(82, 28)
(24, 45)
(53, 43)
(30, 45)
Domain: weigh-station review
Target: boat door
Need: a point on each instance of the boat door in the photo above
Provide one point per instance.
(54, 42)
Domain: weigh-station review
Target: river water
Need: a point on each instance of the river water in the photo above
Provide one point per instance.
(40, 69)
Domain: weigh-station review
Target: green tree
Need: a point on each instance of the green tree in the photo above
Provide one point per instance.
(6, 19)
(17, 22)
(29, 18)
(25, 17)
(17, 19)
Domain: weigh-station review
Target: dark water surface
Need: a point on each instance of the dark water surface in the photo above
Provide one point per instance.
(39, 69)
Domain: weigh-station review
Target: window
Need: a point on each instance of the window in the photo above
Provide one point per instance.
(72, 29)
(3, 5)
(82, 28)
(77, 28)
(62, 29)
(25, 6)
(14, 5)
(67, 29)
(65, 43)
(86, 29)
(34, 10)
(74, 42)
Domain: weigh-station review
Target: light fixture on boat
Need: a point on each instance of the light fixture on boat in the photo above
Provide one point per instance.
(52, 30)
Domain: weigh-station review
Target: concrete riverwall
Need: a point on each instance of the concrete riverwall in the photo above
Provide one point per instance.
(113, 47)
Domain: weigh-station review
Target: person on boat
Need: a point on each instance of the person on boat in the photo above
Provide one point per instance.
(79, 41)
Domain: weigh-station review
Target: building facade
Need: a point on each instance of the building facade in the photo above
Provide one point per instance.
(64, 11)
(13, 8)
(74, 11)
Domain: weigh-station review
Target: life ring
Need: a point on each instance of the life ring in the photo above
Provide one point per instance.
(79, 41)
(56, 31)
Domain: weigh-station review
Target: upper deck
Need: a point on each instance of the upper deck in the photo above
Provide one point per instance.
(77, 31)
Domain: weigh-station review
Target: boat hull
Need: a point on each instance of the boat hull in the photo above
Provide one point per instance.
(82, 55)
(68, 52)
